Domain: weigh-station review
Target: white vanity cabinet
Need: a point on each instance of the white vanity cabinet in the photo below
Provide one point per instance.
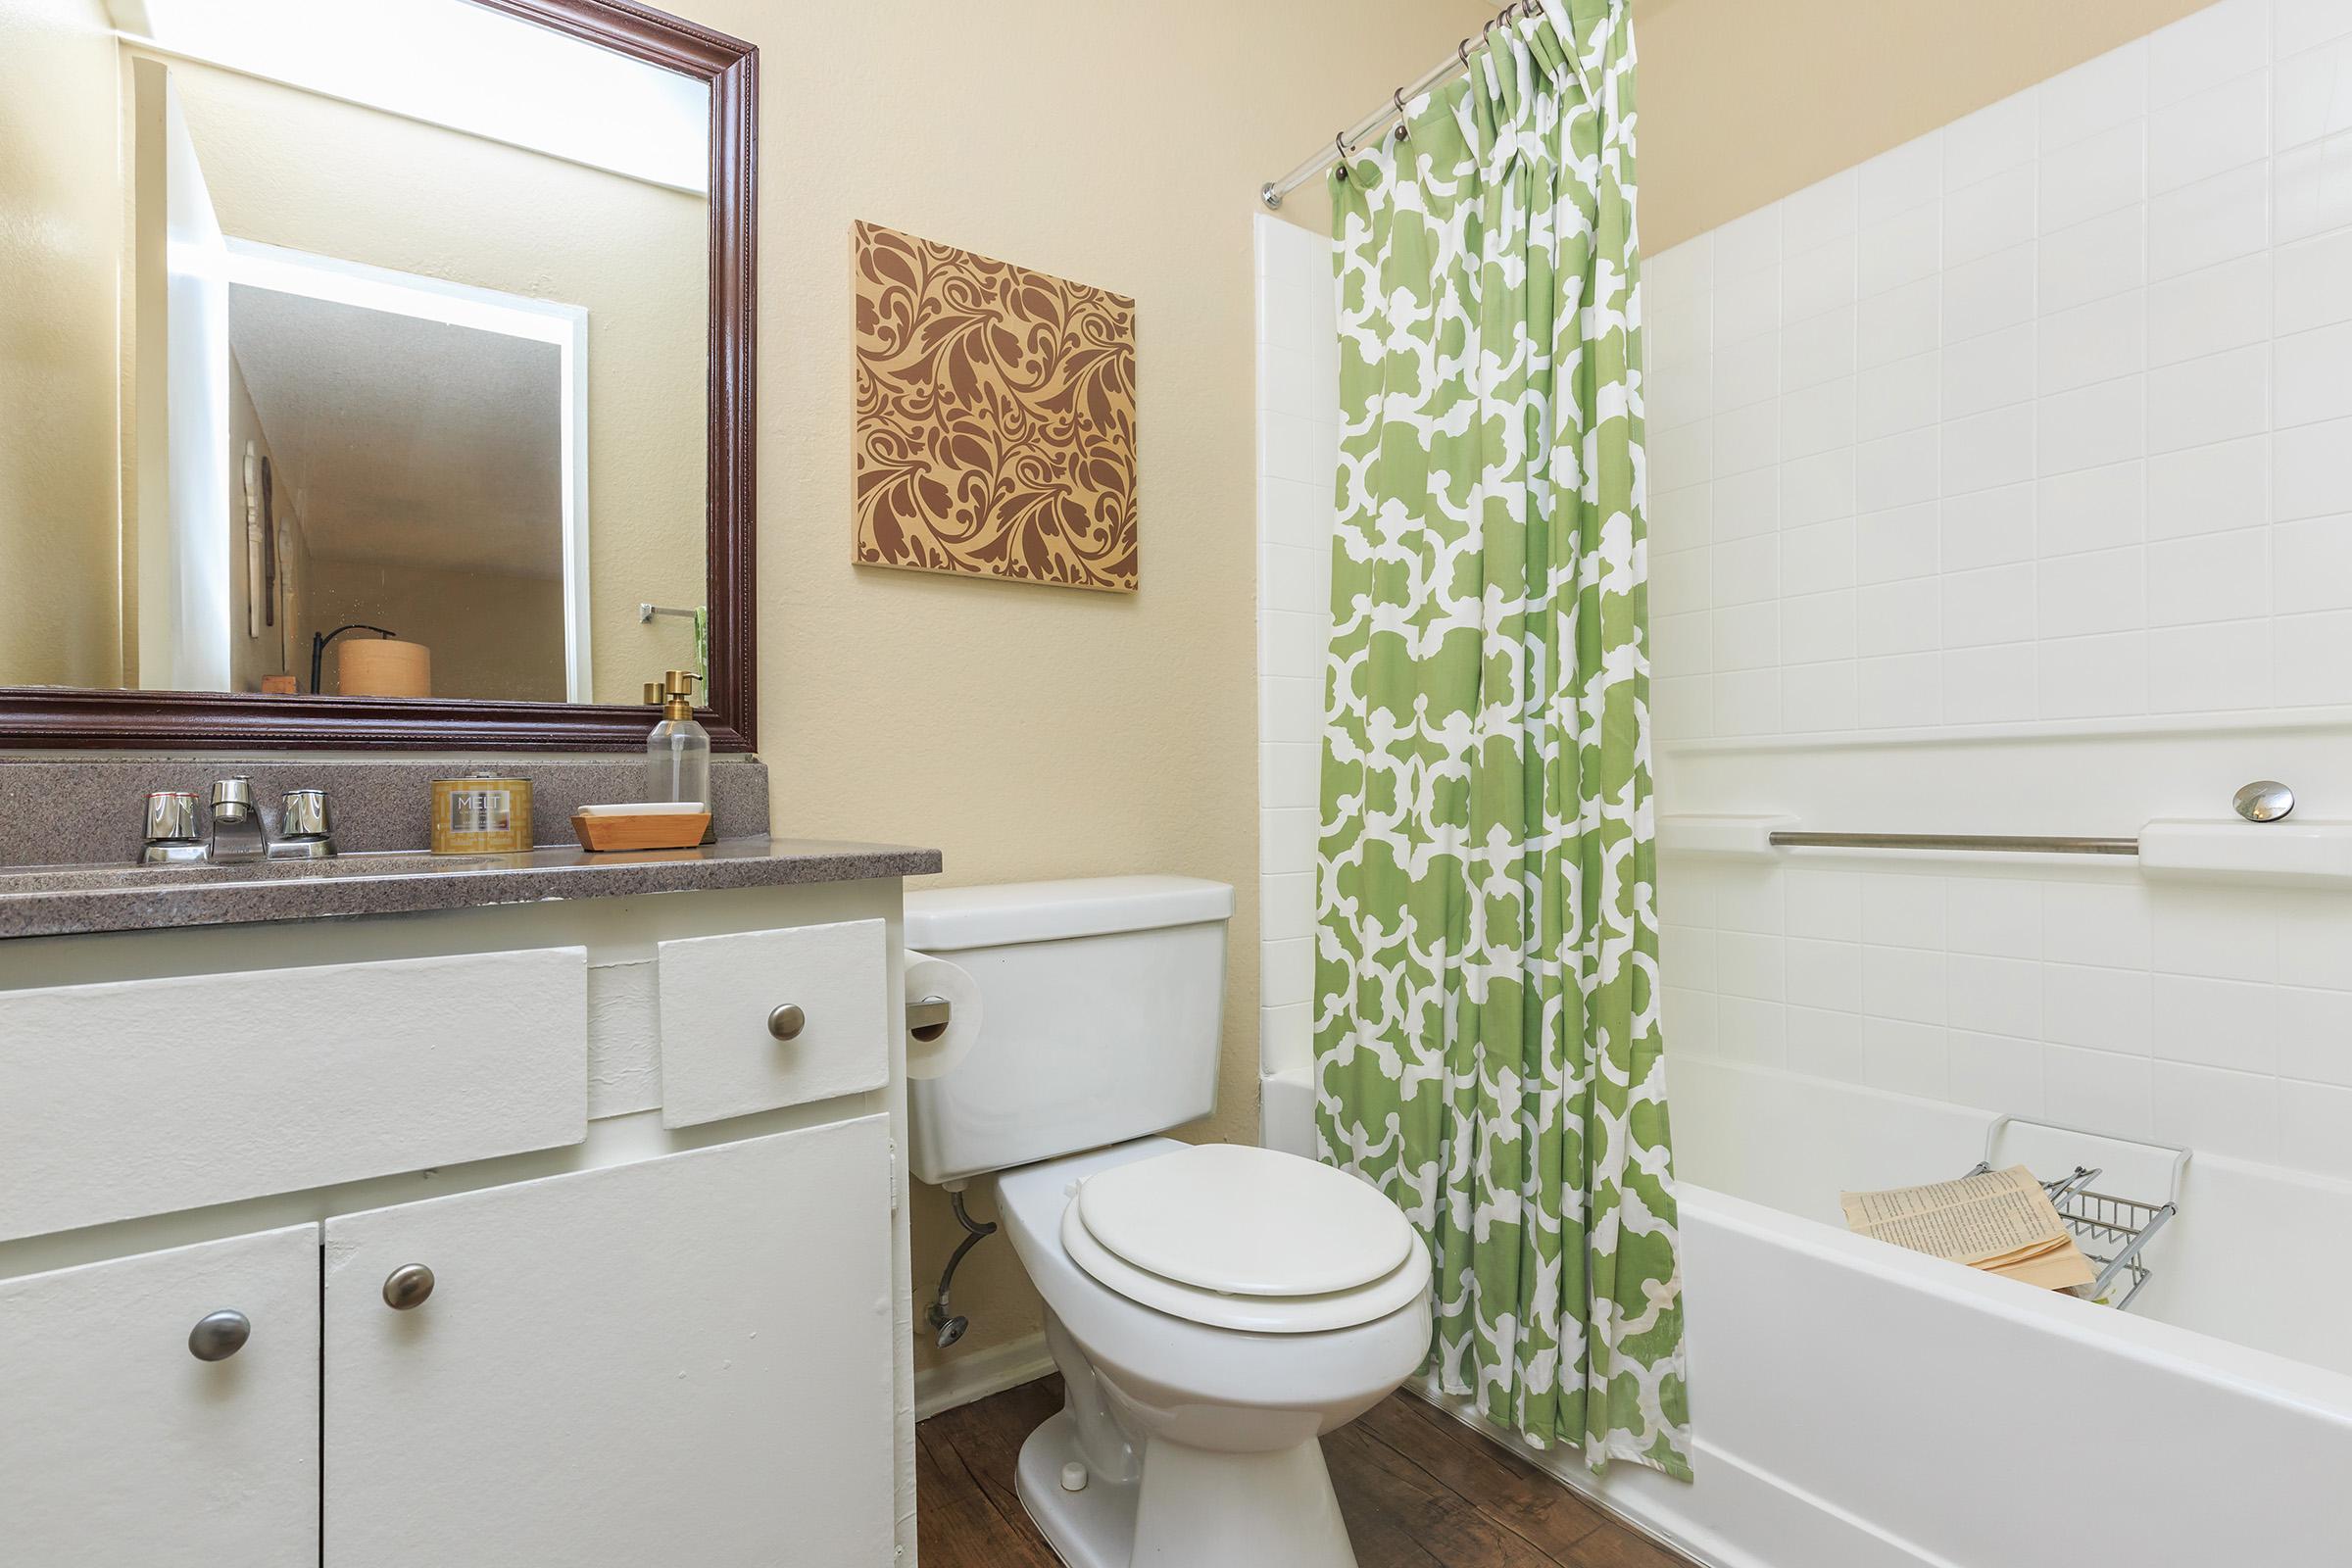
(655, 1333)
(118, 1445)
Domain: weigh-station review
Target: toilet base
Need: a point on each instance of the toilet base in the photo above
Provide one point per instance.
(1089, 1529)
(1192, 1508)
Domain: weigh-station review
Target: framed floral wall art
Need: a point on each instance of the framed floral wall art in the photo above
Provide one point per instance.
(995, 418)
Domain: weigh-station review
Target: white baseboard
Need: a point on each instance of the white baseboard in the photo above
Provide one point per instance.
(969, 1378)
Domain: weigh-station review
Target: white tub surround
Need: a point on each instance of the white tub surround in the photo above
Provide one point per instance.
(1298, 447)
(1998, 492)
(2036, 421)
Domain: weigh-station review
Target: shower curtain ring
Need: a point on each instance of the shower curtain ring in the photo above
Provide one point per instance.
(1403, 130)
(1462, 52)
(1339, 145)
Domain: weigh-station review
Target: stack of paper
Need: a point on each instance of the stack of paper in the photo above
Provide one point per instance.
(2001, 1222)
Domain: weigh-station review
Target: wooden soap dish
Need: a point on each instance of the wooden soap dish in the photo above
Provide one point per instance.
(652, 830)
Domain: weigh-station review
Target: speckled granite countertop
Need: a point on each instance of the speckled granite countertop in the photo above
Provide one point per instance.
(67, 901)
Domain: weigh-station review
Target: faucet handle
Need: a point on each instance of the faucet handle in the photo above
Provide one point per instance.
(303, 813)
(170, 816)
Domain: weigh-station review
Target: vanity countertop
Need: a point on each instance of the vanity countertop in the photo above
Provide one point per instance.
(81, 900)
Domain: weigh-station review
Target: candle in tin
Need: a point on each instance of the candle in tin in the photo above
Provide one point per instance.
(481, 815)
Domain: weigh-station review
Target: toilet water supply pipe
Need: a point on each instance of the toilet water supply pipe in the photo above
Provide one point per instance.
(951, 1327)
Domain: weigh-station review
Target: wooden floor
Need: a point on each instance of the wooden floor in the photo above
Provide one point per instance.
(1419, 1490)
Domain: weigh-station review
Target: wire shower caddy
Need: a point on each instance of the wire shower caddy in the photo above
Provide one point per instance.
(2113, 1232)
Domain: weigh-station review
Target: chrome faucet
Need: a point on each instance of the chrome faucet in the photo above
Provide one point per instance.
(237, 831)
(239, 834)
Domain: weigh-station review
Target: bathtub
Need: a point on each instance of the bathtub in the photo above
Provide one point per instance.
(1858, 1407)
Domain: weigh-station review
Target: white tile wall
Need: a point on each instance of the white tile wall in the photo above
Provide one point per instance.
(2059, 429)
(1298, 414)
(2221, 1020)
(2047, 415)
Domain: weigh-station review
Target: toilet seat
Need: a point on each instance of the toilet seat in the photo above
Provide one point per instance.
(1246, 1221)
(1254, 1314)
(1249, 1239)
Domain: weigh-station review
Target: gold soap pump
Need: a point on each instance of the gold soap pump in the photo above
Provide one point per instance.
(677, 753)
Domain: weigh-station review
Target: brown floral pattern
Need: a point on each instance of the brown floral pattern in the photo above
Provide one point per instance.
(994, 417)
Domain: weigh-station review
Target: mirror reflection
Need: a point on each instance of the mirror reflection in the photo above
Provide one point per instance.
(356, 348)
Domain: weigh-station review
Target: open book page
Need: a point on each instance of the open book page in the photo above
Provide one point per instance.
(2001, 1221)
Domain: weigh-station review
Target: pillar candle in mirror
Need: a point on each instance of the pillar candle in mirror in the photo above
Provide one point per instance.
(382, 666)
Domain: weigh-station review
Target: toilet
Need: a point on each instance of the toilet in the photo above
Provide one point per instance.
(1213, 1309)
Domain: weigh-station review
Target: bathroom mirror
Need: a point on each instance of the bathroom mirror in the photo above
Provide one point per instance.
(371, 374)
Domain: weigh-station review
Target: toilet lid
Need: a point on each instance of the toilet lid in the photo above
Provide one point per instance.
(1243, 1221)
(1402, 1287)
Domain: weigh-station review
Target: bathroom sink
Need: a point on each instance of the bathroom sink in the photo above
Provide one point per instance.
(131, 878)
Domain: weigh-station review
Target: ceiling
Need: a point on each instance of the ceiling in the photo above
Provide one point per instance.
(406, 441)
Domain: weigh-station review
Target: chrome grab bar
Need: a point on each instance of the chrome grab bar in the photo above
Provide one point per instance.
(1995, 842)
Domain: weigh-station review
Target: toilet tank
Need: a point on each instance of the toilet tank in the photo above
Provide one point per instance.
(1100, 1004)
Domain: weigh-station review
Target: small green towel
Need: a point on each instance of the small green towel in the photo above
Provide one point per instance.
(702, 647)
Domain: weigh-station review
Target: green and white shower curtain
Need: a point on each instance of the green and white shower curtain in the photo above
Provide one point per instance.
(1487, 1036)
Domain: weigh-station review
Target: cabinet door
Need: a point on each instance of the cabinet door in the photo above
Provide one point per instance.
(118, 1446)
(682, 1360)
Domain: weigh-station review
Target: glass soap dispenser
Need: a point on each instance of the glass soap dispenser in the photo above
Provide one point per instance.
(677, 753)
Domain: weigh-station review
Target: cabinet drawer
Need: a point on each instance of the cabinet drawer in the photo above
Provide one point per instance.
(144, 1097)
(720, 1058)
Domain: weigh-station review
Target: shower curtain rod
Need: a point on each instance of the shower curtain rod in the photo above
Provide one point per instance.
(1355, 136)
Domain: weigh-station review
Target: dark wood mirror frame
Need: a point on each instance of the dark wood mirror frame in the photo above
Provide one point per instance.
(51, 716)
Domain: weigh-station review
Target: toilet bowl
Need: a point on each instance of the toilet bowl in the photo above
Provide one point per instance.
(1194, 1438)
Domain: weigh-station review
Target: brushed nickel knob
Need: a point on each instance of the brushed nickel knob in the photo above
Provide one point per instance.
(218, 1336)
(787, 1021)
(406, 1287)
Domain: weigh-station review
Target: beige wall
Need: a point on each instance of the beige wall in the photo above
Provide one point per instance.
(494, 637)
(1038, 732)
(60, 236)
(251, 658)
(289, 167)
(1743, 101)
